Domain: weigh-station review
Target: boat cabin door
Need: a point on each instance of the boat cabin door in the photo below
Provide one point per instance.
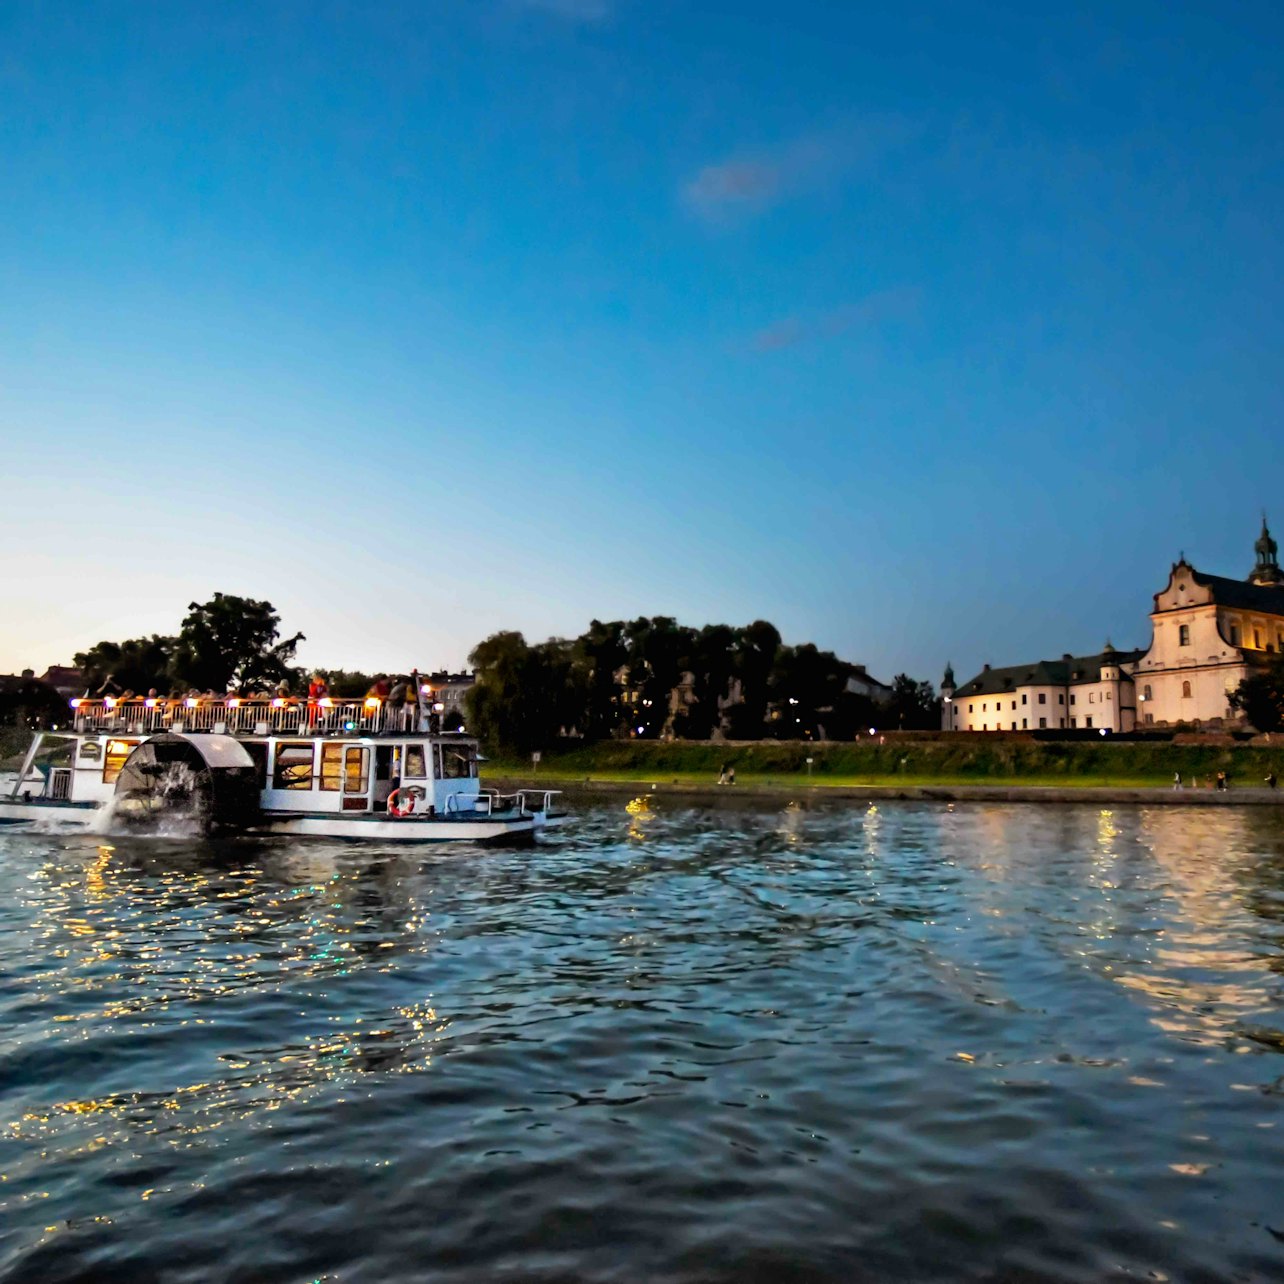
(387, 774)
(356, 778)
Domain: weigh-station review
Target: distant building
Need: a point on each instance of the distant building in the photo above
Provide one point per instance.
(861, 682)
(448, 690)
(1093, 692)
(1209, 633)
(65, 680)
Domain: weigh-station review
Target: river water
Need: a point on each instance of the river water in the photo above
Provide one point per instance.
(748, 1042)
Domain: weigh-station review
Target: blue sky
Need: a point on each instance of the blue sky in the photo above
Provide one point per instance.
(927, 332)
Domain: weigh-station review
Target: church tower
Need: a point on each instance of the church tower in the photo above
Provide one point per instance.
(1267, 568)
(948, 687)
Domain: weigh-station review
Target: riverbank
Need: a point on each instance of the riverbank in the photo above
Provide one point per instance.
(786, 790)
(951, 769)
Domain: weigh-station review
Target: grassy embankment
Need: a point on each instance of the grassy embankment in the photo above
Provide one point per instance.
(1120, 764)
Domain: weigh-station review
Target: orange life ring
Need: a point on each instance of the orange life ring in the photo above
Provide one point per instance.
(401, 811)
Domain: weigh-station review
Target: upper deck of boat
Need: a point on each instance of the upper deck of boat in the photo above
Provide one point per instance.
(254, 716)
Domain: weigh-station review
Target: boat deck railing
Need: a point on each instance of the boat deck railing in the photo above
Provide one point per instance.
(235, 715)
(491, 802)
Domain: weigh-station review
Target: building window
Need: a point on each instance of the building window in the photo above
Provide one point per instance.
(1061, 699)
(1043, 697)
(1043, 722)
(1234, 634)
(1150, 717)
(1183, 635)
(1087, 722)
(1185, 690)
(1072, 702)
(1072, 722)
(970, 708)
(1063, 723)
(1014, 706)
(1107, 695)
(1023, 699)
(1024, 725)
(984, 707)
(1092, 697)
(1146, 692)
(1257, 638)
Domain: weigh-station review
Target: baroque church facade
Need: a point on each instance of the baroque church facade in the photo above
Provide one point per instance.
(1208, 633)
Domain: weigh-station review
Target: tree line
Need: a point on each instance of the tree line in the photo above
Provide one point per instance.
(648, 678)
(653, 678)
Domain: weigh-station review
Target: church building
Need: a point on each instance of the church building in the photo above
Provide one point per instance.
(1208, 633)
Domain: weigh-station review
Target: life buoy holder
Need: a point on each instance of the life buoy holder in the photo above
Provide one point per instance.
(401, 803)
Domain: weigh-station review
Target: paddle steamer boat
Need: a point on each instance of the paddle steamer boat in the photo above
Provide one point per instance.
(329, 768)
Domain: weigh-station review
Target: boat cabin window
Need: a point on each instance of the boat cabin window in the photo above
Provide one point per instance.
(293, 766)
(356, 770)
(331, 765)
(456, 762)
(117, 752)
(415, 765)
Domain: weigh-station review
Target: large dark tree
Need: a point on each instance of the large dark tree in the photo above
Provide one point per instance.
(711, 663)
(753, 658)
(232, 643)
(137, 664)
(1260, 697)
(525, 696)
(599, 654)
(913, 706)
(807, 688)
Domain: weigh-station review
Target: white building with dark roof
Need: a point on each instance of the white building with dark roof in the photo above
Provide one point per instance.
(1092, 692)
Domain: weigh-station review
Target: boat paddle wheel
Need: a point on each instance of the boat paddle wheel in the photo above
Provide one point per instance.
(180, 785)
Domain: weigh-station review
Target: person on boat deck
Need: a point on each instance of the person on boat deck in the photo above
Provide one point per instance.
(283, 690)
(380, 687)
(110, 686)
(127, 694)
(317, 691)
(397, 699)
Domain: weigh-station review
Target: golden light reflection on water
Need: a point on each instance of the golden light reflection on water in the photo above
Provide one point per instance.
(125, 945)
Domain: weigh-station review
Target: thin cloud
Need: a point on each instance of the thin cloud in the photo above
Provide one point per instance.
(900, 303)
(749, 183)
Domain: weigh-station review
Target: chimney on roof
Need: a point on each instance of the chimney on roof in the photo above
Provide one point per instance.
(985, 668)
(1066, 656)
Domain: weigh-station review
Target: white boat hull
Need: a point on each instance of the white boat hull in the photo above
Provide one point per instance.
(52, 816)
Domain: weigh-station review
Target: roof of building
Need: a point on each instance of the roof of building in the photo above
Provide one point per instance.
(1070, 670)
(62, 676)
(1241, 594)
